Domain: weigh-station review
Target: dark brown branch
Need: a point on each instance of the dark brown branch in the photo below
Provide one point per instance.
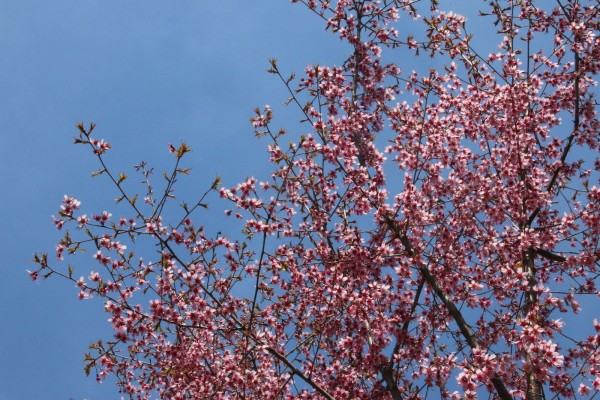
(388, 376)
(570, 139)
(549, 255)
(296, 371)
(455, 313)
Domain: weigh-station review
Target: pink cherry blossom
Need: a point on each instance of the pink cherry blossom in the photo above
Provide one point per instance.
(429, 232)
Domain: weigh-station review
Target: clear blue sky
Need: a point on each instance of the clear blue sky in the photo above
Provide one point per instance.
(148, 73)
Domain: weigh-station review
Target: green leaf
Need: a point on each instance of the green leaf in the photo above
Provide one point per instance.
(99, 172)
(217, 182)
(88, 368)
(273, 69)
(182, 150)
(81, 128)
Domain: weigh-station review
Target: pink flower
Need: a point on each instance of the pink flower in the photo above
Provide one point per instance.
(68, 206)
(59, 251)
(100, 146)
(58, 222)
(151, 227)
(103, 218)
(34, 275)
(83, 220)
(583, 390)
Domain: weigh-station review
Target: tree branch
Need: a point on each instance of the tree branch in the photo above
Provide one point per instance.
(296, 371)
(463, 326)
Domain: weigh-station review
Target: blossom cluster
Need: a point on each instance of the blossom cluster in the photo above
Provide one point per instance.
(428, 232)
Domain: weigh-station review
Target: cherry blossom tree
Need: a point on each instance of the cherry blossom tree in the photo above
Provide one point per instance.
(426, 233)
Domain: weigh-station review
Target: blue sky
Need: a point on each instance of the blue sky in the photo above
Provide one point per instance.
(148, 73)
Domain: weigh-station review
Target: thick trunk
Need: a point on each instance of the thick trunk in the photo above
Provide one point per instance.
(534, 389)
(534, 386)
